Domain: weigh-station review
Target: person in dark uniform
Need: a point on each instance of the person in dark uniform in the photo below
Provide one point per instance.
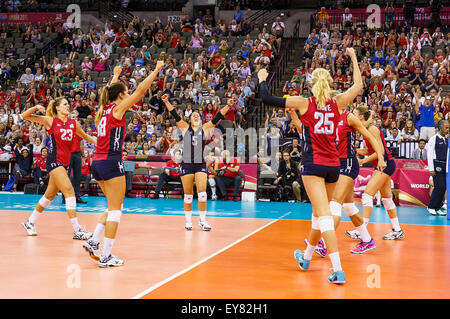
(437, 163)
(75, 164)
(193, 164)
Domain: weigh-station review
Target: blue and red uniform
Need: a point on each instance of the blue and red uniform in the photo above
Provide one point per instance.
(194, 144)
(390, 163)
(346, 147)
(320, 154)
(107, 161)
(62, 135)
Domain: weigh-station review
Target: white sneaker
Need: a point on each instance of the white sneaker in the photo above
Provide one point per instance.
(441, 212)
(110, 261)
(432, 211)
(378, 204)
(188, 226)
(392, 235)
(82, 234)
(30, 228)
(444, 207)
(214, 197)
(204, 225)
(93, 249)
(353, 234)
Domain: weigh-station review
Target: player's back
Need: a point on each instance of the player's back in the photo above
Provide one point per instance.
(110, 135)
(346, 137)
(319, 129)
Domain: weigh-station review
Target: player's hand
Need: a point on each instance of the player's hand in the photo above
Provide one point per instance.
(360, 161)
(159, 65)
(40, 108)
(351, 52)
(381, 164)
(262, 75)
(165, 98)
(433, 173)
(117, 70)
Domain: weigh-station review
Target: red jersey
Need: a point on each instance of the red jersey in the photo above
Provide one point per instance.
(172, 164)
(110, 136)
(76, 144)
(320, 126)
(387, 154)
(346, 137)
(40, 162)
(233, 163)
(86, 166)
(61, 140)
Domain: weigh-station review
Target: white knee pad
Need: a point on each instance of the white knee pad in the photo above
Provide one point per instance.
(326, 223)
(44, 202)
(350, 209)
(212, 182)
(315, 223)
(367, 200)
(188, 198)
(114, 216)
(388, 203)
(71, 203)
(335, 208)
(202, 197)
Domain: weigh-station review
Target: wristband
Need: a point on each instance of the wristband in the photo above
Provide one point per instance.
(175, 115)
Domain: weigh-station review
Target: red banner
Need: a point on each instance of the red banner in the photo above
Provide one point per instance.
(34, 17)
(410, 183)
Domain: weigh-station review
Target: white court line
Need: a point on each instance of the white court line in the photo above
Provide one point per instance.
(159, 284)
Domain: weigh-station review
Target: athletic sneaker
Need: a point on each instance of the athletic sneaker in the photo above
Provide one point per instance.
(319, 249)
(432, 211)
(188, 226)
(204, 225)
(214, 197)
(30, 228)
(93, 249)
(302, 263)
(82, 234)
(444, 207)
(441, 212)
(394, 235)
(337, 277)
(362, 247)
(353, 234)
(110, 261)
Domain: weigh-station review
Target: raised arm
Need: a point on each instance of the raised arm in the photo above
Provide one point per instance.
(294, 102)
(29, 115)
(354, 122)
(348, 96)
(181, 124)
(117, 72)
(81, 133)
(296, 120)
(141, 90)
(219, 116)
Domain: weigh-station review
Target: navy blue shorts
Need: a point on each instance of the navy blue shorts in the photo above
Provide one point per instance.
(329, 173)
(187, 169)
(50, 166)
(349, 167)
(390, 167)
(107, 169)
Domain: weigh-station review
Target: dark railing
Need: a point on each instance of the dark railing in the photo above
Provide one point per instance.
(402, 150)
(296, 33)
(260, 13)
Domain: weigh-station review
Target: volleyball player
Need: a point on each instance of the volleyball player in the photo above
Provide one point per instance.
(62, 131)
(380, 180)
(193, 165)
(320, 158)
(107, 165)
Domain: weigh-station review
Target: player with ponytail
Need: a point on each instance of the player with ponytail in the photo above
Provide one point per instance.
(320, 162)
(61, 130)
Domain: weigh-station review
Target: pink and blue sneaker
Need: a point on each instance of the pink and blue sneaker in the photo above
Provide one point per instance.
(362, 247)
(320, 248)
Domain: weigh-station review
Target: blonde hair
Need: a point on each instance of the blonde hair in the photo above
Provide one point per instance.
(321, 90)
(51, 109)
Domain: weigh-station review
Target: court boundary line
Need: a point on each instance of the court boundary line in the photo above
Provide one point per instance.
(178, 274)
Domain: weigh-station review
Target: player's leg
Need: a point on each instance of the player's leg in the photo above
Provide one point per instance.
(188, 188)
(391, 208)
(201, 180)
(43, 203)
(63, 183)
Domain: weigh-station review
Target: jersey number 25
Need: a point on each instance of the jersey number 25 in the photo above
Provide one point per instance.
(324, 125)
